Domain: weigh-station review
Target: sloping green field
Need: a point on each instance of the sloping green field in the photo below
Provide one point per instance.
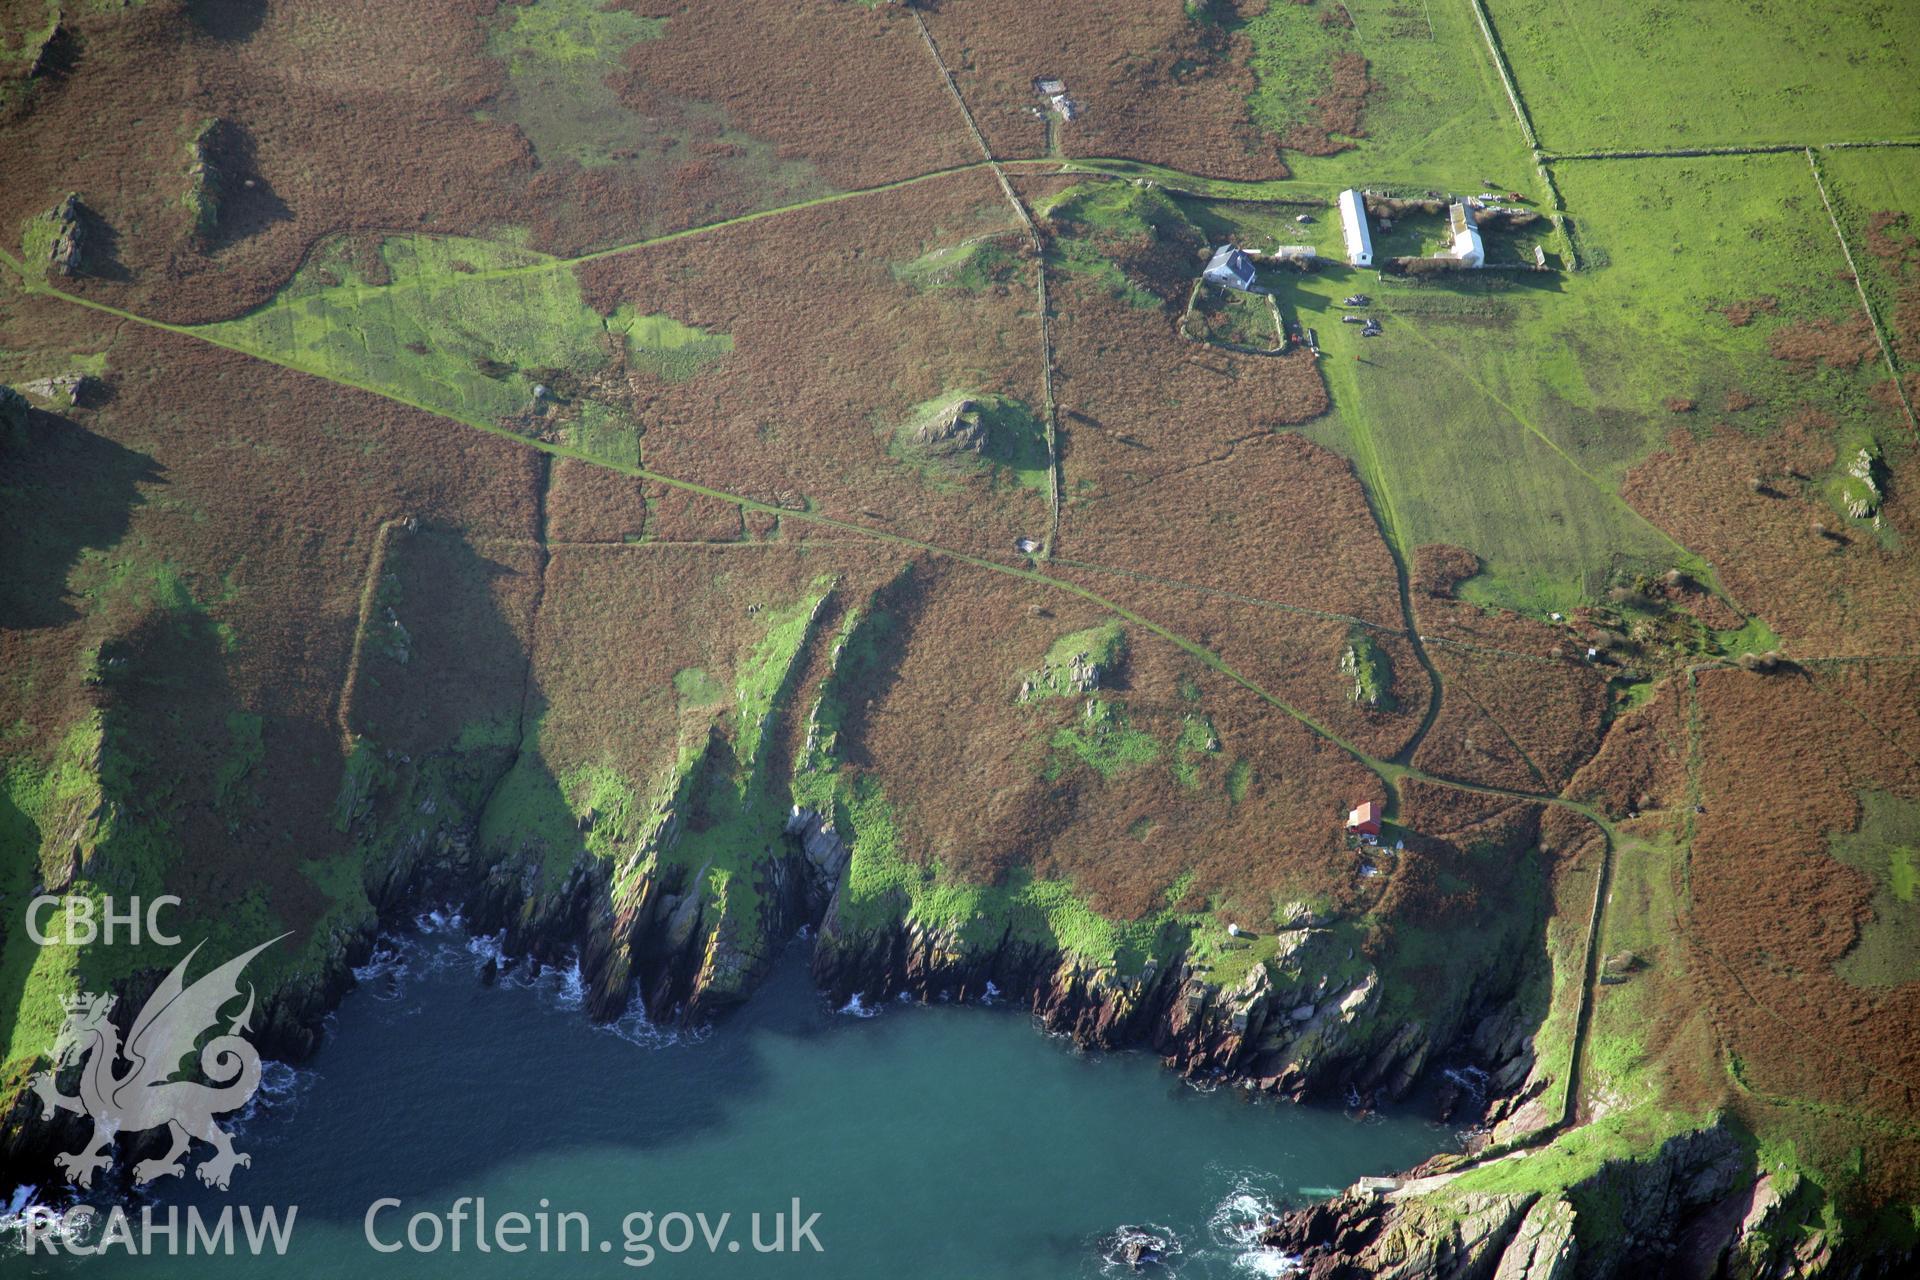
(1626, 75)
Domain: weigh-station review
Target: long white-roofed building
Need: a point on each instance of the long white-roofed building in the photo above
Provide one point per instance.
(1353, 219)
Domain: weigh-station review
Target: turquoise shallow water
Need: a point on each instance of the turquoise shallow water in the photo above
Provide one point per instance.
(932, 1142)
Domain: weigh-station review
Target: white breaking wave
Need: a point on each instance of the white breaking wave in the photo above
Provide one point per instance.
(385, 973)
(573, 985)
(857, 1008)
(439, 920)
(282, 1089)
(26, 1202)
(1236, 1223)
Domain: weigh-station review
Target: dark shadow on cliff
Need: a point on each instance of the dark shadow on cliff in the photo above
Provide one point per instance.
(19, 876)
(68, 490)
(870, 667)
(174, 768)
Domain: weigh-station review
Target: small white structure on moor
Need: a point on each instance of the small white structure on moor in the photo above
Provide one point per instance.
(1353, 220)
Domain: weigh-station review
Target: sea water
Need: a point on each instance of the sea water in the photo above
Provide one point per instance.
(929, 1141)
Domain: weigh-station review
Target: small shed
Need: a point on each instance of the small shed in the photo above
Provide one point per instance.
(1230, 269)
(1364, 818)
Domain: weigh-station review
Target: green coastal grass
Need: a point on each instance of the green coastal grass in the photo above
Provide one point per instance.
(1537, 394)
(1104, 740)
(1886, 849)
(559, 54)
(1016, 443)
(671, 351)
(972, 266)
(563, 60)
(1088, 214)
(447, 334)
(1616, 74)
(1864, 183)
(1436, 115)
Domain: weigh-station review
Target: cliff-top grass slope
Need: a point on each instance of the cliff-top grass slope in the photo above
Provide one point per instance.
(660, 477)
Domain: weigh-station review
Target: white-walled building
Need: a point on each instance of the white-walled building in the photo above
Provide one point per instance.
(1353, 219)
(1467, 246)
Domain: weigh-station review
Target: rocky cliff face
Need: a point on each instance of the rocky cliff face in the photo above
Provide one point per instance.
(1312, 1022)
(1697, 1207)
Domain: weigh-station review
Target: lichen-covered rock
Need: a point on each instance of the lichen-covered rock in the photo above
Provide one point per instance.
(206, 183)
(67, 254)
(959, 428)
(1543, 1248)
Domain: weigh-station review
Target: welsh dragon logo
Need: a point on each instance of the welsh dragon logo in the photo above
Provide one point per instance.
(145, 1095)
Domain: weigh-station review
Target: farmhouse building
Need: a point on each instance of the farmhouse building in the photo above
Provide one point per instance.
(1467, 249)
(1230, 269)
(1353, 220)
(1364, 819)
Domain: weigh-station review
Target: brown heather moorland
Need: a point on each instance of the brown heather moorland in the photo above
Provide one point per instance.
(412, 126)
(196, 581)
(1549, 712)
(983, 803)
(848, 88)
(1270, 516)
(831, 352)
(1771, 907)
(1642, 762)
(1290, 655)
(1825, 593)
(194, 549)
(1150, 83)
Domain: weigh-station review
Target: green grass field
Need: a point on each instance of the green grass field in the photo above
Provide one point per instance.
(1502, 413)
(1864, 183)
(1435, 116)
(452, 334)
(1623, 75)
(1885, 849)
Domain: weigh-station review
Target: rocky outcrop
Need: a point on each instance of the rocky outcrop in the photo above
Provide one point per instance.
(206, 182)
(1464, 1237)
(67, 221)
(1311, 1022)
(1695, 1207)
(1543, 1248)
(65, 388)
(961, 427)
